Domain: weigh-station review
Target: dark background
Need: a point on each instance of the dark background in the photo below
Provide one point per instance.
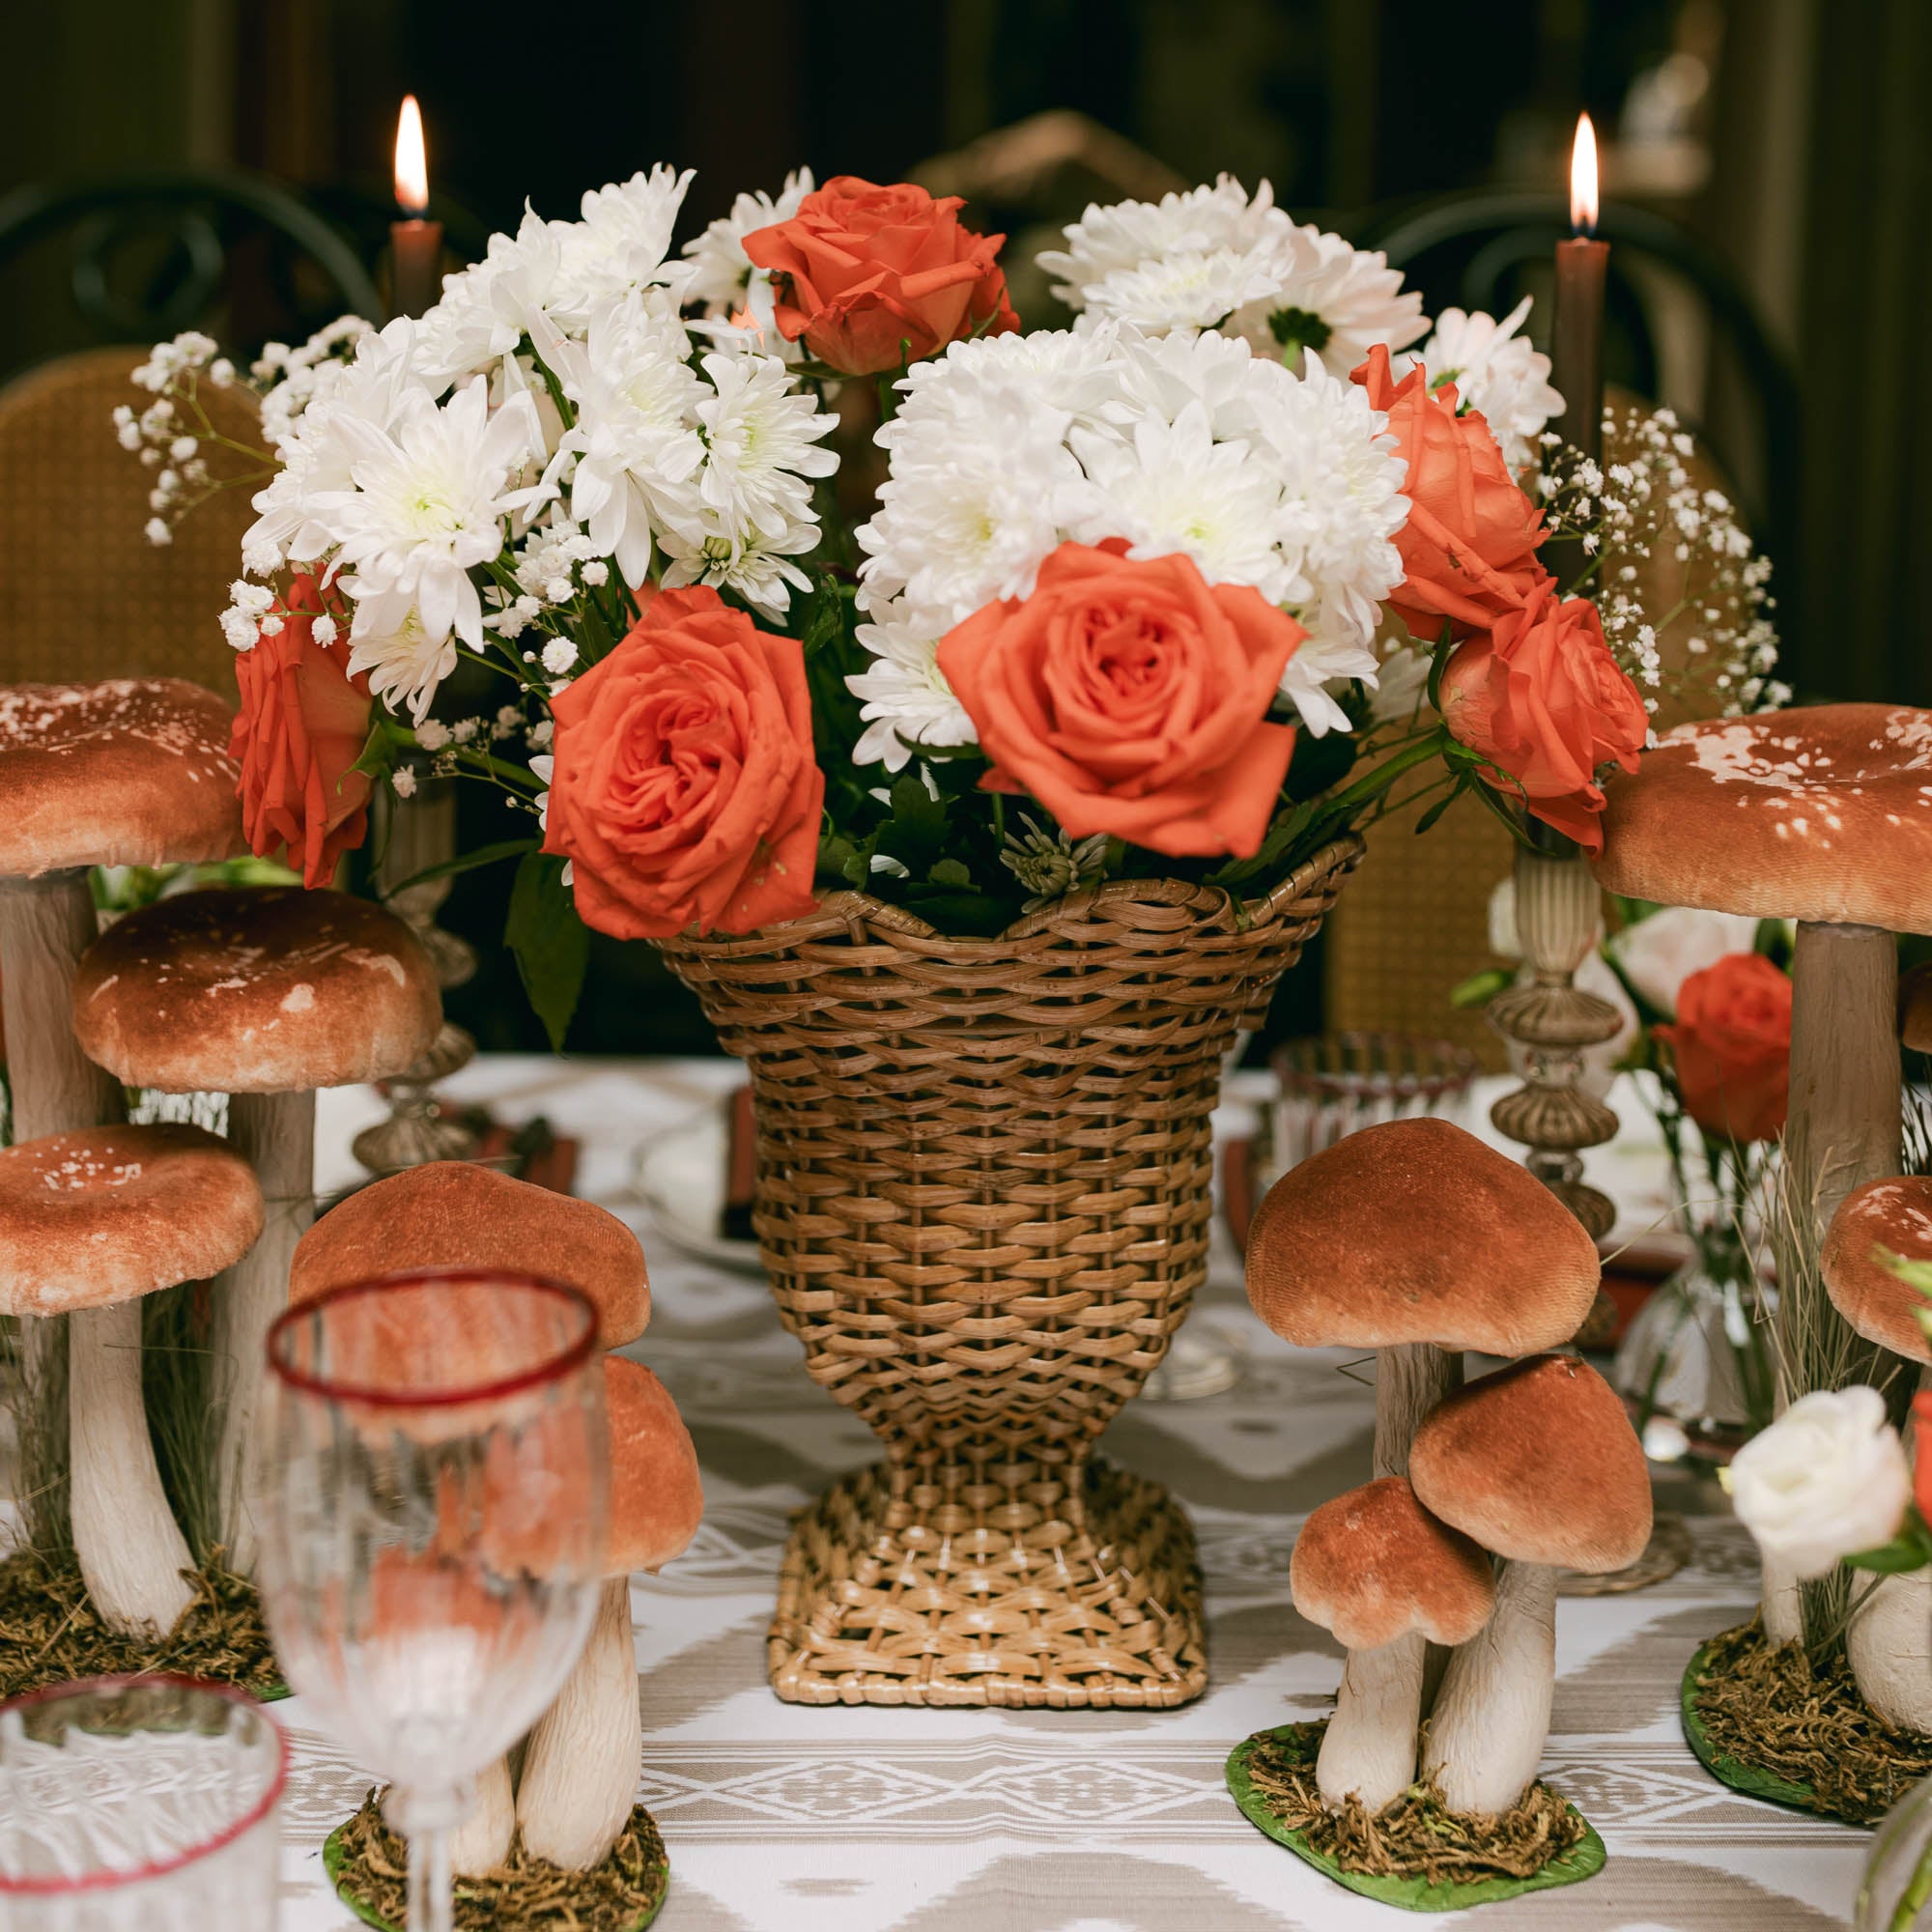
(1788, 138)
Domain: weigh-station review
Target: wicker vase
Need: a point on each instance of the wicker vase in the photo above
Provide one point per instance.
(983, 1203)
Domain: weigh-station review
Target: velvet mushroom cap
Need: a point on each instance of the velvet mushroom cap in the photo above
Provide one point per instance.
(657, 1501)
(1894, 1214)
(1821, 812)
(1415, 1231)
(453, 1213)
(1373, 1564)
(1914, 1008)
(132, 772)
(103, 1216)
(274, 990)
(1539, 1463)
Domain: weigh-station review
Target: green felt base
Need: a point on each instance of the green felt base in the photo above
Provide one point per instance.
(1412, 1895)
(333, 1862)
(1734, 1772)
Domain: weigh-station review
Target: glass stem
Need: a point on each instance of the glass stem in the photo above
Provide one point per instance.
(432, 1901)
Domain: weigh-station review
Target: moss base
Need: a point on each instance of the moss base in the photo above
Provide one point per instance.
(49, 1631)
(1768, 1720)
(1414, 1853)
(366, 1863)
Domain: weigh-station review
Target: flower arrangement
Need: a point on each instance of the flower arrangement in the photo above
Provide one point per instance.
(1188, 589)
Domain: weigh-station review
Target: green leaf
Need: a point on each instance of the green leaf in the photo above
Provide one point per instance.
(551, 944)
(1439, 661)
(1437, 809)
(468, 862)
(386, 741)
(1480, 988)
(950, 872)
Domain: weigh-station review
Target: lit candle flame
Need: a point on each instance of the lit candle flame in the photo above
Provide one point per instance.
(412, 163)
(1583, 177)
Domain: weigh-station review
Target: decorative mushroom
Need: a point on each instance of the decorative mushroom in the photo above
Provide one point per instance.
(91, 1221)
(1538, 1463)
(1381, 1573)
(456, 1214)
(264, 995)
(1415, 1239)
(580, 1775)
(1888, 1642)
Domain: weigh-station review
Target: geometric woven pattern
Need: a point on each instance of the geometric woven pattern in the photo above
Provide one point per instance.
(984, 1190)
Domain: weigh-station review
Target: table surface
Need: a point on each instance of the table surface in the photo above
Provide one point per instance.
(861, 1820)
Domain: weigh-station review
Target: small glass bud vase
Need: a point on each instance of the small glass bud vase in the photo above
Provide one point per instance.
(1895, 1892)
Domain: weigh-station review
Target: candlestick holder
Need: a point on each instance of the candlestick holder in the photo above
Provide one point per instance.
(413, 835)
(1553, 1020)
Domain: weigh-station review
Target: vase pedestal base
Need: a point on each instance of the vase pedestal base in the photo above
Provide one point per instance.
(1015, 1583)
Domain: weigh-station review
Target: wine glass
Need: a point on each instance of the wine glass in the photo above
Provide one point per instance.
(436, 1465)
(139, 1804)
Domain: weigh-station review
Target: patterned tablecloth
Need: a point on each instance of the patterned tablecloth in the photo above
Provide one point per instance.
(780, 1819)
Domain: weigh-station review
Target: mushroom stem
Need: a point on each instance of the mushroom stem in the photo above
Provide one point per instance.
(131, 1552)
(482, 1842)
(581, 1771)
(277, 1132)
(1411, 1379)
(1486, 1733)
(1369, 1748)
(1888, 1642)
(1781, 1602)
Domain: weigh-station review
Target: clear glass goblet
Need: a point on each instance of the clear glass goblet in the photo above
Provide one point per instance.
(436, 1469)
(139, 1804)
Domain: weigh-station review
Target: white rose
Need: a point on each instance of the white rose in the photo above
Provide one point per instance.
(1659, 953)
(1826, 1479)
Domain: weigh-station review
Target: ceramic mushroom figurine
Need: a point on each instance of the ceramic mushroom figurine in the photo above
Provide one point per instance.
(579, 1774)
(1415, 1239)
(1888, 1642)
(92, 1221)
(1386, 1577)
(264, 995)
(1539, 1464)
(452, 1213)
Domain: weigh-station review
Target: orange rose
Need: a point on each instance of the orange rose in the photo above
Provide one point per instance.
(684, 791)
(1131, 698)
(1469, 545)
(874, 277)
(302, 725)
(1731, 1047)
(1922, 1455)
(1542, 699)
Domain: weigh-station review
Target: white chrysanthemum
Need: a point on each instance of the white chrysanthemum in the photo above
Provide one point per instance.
(1167, 372)
(620, 244)
(1333, 299)
(1204, 220)
(906, 700)
(721, 273)
(486, 309)
(1172, 488)
(1401, 685)
(1499, 373)
(756, 565)
(432, 493)
(1189, 291)
(406, 658)
(761, 437)
(1076, 374)
(636, 445)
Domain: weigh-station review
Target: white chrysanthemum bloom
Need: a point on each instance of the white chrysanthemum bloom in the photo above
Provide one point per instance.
(488, 308)
(619, 245)
(763, 437)
(432, 493)
(1402, 684)
(756, 565)
(1499, 373)
(1078, 374)
(735, 297)
(1190, 290)
(1126, 234)
(1332, 300)
(635, 446)
(406, 658)
(906, 702)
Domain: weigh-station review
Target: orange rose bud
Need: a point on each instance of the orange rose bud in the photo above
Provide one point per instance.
(876, 277)
(1731, 1047)
(1131, 697)
(1542, 699)
(1469, 545)
(303, 723)
(685, 792)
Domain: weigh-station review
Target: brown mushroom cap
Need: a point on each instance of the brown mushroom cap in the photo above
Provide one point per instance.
(453, 1213)
(1415, 1231)
(1821, 812)
(1373, 1565)
(1914, 1008)
(1894, 1214)
(1539, 1463)
(132, 772)
(103, 1216)
(274, 990)
(657, 1501)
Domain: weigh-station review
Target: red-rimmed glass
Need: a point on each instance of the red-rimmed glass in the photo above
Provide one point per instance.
(436, 1468)
(139, 1804)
